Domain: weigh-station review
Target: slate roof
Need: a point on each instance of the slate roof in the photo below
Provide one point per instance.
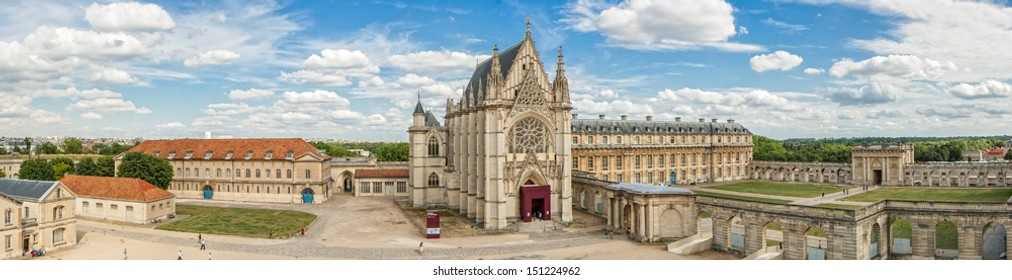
(418, 108)
(480, 76)
(380, 173)
(26, 189)
(430, 119)
(655, 127)
(649, 189)
(219, 148)
(114, 187)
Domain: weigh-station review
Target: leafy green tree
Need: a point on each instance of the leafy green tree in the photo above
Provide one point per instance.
(106, 167)
(61, 169)
(87, 167)
(37, 169)
(28, 147)
(334, 150)
(1008, 155)
(392, 152)
(47, 149)
(111, 150)
(73, 145)
(65, 160)
(155, 170)
(3, 151)
(2, 174)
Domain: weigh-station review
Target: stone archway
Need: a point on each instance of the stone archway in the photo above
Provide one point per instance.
(816, 244)
(736, 234)
(773, 237)
(671, 224)
(995, 242)
(901, 234)
(873, 243)
(704, 224)
(946, 240)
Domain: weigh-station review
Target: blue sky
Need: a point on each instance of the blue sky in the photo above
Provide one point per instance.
(352, 69)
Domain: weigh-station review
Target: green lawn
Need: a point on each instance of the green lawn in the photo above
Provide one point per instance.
(742, 197)
(838, 206)
(933, 194)
(780, 189)
(946, 236)
(239, 221)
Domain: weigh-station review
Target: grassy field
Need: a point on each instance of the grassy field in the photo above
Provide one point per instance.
(933, 194)
(946, 236)
(742, 197)
(239, 221)
(838, 206)
(780, 189)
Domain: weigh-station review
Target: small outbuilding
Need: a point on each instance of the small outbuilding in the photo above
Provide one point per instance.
(130, 200)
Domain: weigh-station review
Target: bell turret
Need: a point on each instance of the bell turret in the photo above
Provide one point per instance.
(560, 87)
(418, 117)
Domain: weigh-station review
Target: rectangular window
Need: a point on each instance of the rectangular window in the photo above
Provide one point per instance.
(604, 162)
(704, 158)
(650, 177)
(576, 140)
(618, 177)
(7, 242)
(660, 161)
(366, 187)
(650, 161)
(389, 186)
(377, 187)
(576, 163)
(637, 162)
(618, 139)
(590, 139)
(308, 174)
(638, 177)
(402, 187)
(618, 162)
(590, 163)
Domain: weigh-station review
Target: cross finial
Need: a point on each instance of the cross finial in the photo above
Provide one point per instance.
(528, 26)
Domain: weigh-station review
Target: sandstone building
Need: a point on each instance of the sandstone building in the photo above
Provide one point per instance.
(129, 200)
(257, 170)
(503, 153)
(37, 215)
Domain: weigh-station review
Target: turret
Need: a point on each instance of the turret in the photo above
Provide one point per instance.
(495, 79)
(418, 117)
(560, 87)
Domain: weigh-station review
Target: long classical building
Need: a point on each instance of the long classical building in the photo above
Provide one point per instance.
(661, 152)
(504, 153)
(284, 170)
(37, 215)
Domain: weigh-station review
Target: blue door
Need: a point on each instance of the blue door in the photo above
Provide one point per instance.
(307, 196)
(208, 192)
(673, 178)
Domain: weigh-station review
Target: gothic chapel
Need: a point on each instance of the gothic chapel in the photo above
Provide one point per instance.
(502, 155)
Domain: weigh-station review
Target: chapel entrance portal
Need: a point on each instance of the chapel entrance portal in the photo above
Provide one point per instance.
(877, 177)
(535, 202)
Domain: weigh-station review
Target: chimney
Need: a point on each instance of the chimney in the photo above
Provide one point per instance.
(574, 116)
(600, 117)
(730, 120)
(678, 119)
(650, 118)
(625, 117)
(702, 119)
(713, 120)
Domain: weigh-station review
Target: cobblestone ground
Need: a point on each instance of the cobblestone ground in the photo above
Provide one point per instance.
(330, 217)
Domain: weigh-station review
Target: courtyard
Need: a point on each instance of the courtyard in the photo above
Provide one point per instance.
(780, 189)
(355, 228)
(933, 194)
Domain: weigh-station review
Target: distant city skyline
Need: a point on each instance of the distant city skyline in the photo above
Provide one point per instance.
(352, 70)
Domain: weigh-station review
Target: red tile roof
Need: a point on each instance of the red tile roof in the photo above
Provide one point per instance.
(995, 152)
(220, 148)
(114, 187)
(380, 173)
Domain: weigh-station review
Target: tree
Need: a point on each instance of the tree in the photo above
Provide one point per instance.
(152, 169)
(28, 147)
(73, 145)
(392, 152)
(1008, 155)
(106, 167)
(61, 169)
(87, 167)
(333, 150)
(65, 160)
(2, 174)
(47, 149)
(37, 169)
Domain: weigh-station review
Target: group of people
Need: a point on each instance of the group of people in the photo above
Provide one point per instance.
(179, 256)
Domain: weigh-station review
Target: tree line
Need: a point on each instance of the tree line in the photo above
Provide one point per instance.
(397, 151)
(154, 170)
(838, 149)
(72, 146)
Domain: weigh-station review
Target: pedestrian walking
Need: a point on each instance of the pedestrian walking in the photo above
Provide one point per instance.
(421, 248)
(203, 246)
(179, 256)
(611, 234)
(303, 231)
(823, 194)
(200, 237)
(124, 254)
(208, 255)
(270, 234)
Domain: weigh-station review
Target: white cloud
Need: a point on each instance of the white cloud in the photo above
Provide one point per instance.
(411, 80)
(91, 116)
(171, 125)
(252, 93)
(873, 93)
(109, 105)
(128, 16)
(333, 67)
(814, 71)
(315, 97)
(313, 77)
(226, 109)
(787, 27)
(371, 82)
(215, 57)
(75, 94)
(436, 62)
(112, 76)
(903, 66)
(778, 60)
(61, 42)
(985, 89)
(659, 25)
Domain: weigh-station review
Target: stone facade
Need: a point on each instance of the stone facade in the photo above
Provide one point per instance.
(880, 164)
(44, 221)
(254, 170)
(503, 153)
(10, 167)
(661, 152)
(647, 213)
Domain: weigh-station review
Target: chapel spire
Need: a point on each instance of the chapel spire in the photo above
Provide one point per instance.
(528, 27)
(560, 87)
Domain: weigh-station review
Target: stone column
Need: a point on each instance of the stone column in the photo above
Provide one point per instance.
(969, 247)
(641, 232)
(609, 216)
(923, 240)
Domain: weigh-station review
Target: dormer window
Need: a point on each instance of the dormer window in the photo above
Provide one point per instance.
(290, 155)
(188, 155)
(208, 154)
(156, 153)
(228, 155)
(172, 155)
(269, 155)
(249, 154)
